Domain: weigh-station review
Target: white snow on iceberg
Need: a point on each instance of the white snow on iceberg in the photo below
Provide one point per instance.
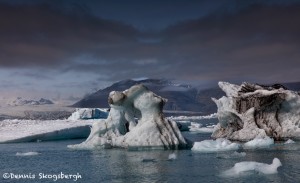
(246, 167)
(215, 145)
(259, 143)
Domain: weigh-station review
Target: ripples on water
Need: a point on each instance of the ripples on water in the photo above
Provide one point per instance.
(119, 165)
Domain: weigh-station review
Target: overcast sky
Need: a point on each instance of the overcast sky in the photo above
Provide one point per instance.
(67, 48)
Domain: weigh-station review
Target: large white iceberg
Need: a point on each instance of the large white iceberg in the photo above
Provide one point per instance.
(245, 167)
(215, 145)
(253, 111)
(135, 120)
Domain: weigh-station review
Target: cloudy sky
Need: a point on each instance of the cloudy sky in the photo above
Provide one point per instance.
(67, 48)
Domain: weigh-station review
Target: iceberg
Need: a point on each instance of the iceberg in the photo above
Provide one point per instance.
(15, 131)
(135, 120)
(197, 127)
(242, 168)
(254, 111)
(289, 141)
(89, 113)
(215, 145)
(172, 157)
(259, 143)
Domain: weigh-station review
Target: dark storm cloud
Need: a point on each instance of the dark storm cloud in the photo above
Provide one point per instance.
(32, 75)
(38, 35)
(260, 41)
(250, 42)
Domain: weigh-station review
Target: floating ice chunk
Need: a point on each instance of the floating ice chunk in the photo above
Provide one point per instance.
(242, 168)
(259, 143)
(202, 130)
(194, 126)
(210, 126)
(27, 154)
(215, 145)
(172, 156)
(89, 113)
(289, 142)
(197, 127)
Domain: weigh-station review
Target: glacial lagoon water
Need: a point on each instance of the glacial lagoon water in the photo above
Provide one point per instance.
(120, 165)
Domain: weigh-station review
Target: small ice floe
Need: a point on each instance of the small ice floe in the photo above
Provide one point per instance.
(172, 157)
(246, 167)
(27, 153)
(220, 144)
(259, 143)
(197, 127)
(290, 141)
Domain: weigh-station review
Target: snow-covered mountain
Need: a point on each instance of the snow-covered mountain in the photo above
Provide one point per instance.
(181, 97)
(21, 102)
(42, 109)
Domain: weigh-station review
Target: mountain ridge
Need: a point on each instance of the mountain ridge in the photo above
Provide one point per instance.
(181, 97)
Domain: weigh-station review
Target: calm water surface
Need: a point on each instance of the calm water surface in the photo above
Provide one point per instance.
(119, 165)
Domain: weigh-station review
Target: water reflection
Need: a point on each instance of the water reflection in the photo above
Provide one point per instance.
(123, 165)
